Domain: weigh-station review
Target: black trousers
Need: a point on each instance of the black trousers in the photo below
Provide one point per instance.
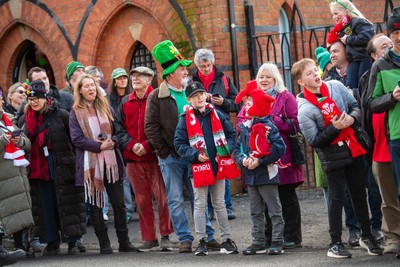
(291, 215)
(351, 176)
(115, 193)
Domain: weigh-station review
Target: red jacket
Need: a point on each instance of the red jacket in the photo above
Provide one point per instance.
(130, 127)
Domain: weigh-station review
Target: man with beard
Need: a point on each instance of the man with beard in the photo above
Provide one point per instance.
(164, 105)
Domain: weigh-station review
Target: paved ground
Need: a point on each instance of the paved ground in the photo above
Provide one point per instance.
(313, 252)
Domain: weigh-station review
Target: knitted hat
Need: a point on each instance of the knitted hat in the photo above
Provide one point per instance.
(169, 57)
(72, 67)
(193, 88)
(393, 23)
(143, 70)
(262, 102)
(323, 57)
(118, 72)
(36, 89)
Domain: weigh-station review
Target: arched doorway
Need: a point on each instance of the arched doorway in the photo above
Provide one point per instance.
(31, 56)
(142, 57)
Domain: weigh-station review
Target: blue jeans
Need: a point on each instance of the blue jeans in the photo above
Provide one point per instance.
(227, 198)
(128, 197)
(355, 70)
(394, 146)
(374, 201)
(175, 173)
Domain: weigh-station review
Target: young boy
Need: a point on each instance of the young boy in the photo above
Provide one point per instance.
(326, 113)
(260, 172)
(202, 134)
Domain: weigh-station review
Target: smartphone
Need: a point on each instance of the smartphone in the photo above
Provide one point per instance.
(16, 133)
(216, 95)
(398, 83)
(102, 136)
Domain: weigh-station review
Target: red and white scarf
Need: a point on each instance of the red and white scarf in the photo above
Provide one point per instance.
(329, 109)
(12, 151)
(97, 165)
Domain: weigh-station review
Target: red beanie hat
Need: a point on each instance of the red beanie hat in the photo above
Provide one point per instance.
(262, 102)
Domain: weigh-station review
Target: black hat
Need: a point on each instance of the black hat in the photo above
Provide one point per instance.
(393, 23)
(36, 89)
(193, 88)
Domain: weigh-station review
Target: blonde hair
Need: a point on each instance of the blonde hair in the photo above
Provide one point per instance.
(13, 88)
(272, 70)
(298, 67)
(348, 7)
(100, 103)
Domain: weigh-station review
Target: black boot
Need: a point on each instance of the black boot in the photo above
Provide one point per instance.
(104, 241)
(124, 244)
(10, 257)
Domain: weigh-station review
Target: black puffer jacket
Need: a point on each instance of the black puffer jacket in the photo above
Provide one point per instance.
(217, 86)
(70, 198)
(359, 32)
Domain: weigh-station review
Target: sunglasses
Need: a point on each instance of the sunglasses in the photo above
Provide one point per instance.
(20, 91)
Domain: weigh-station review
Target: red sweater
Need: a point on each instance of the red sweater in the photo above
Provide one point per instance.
(133, 110)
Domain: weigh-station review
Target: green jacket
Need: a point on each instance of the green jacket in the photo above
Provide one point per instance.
(15, 200)
(385, 73)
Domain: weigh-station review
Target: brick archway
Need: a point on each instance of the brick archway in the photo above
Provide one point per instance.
(11, 44)
(116, 41)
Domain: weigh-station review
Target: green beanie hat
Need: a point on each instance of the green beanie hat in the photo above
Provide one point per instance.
(118, 72)
(323, 57)
(169, 57)
(72, 67)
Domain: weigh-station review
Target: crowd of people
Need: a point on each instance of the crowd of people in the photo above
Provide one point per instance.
(65, 154)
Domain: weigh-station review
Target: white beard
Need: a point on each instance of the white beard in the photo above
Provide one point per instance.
(185, 81)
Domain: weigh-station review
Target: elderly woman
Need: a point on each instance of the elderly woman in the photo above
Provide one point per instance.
(221, 92)
(16, 95)
(99, 162)
(58, 204)
(15, 203)
(283, 111)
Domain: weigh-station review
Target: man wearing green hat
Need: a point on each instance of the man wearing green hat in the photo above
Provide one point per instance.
(73, 70)
(164, 105)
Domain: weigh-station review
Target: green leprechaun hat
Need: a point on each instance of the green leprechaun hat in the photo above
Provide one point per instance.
(169, 57)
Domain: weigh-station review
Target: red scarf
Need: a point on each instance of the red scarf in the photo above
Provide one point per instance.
(206, 80)
(329, 109)
(202, 172)
(12, 151)
(39, 168)
(335, 32)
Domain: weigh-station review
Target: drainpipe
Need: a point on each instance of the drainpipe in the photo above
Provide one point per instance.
(232, 27)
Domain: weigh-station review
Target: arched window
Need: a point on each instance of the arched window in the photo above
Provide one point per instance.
(142, 57)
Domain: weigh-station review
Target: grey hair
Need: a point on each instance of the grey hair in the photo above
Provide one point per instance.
(203, 54)
(272, 70)
(91, 70)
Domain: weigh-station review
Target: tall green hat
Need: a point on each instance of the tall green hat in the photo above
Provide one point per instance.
(169, 57)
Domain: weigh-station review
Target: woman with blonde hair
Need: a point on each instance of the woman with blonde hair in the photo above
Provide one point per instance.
(99, 162)
(16, 95)
(354, 31)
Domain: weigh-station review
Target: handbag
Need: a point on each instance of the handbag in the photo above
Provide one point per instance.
(362, 136)
(296, 141)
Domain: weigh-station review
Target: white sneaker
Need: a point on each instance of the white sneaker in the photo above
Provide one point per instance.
(105, 217)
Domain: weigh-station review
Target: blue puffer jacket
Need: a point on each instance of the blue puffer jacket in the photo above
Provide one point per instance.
(259, 176)
(181, 140)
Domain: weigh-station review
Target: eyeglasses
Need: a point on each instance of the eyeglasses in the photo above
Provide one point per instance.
(33, 99)
(203, 67)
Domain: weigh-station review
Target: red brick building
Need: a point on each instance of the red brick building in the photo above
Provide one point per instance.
(120, 33)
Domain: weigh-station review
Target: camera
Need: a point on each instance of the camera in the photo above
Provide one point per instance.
(102, 136)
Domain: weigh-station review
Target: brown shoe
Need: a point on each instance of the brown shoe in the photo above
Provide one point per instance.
(185, 247)
(213, 245)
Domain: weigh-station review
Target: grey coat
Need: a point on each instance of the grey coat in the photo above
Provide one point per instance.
(15, 200)
(313, 127)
